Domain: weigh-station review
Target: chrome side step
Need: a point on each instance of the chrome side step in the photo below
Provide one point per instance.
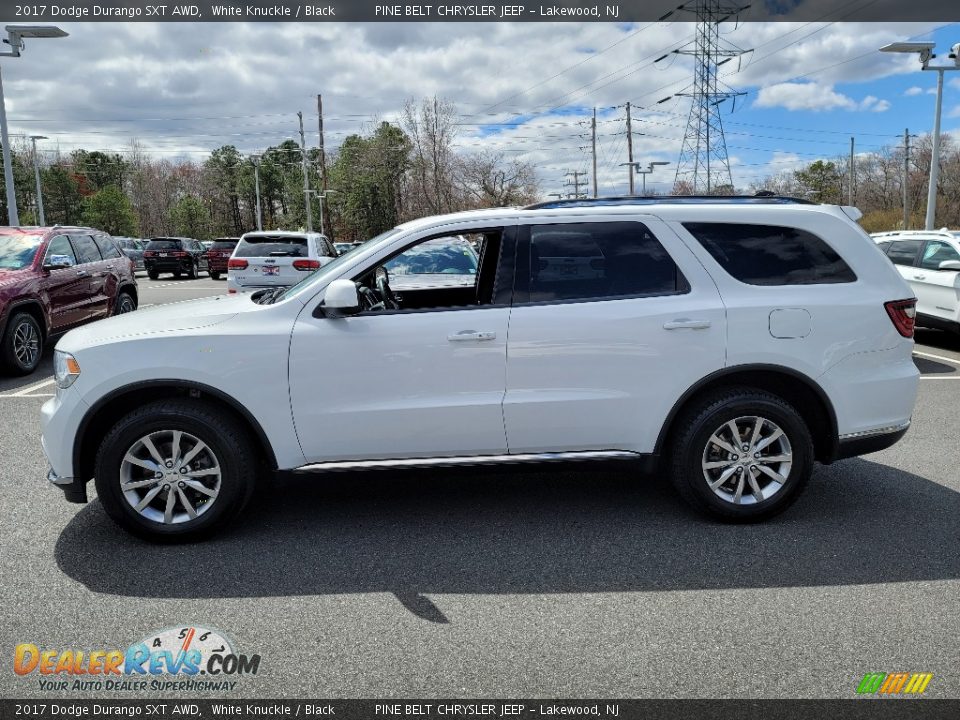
(468, 460)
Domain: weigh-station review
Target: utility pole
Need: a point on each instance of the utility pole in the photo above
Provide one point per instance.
(323, 158)
(256, 187)
(630, 149)
(906, 178)
(576, 182)
(853, 173)
(306, 178)
(593, 130)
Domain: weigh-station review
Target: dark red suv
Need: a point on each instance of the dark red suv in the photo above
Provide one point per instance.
(218, 254)
(53, 279)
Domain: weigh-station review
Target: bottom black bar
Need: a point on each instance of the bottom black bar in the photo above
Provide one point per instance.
(872, 709)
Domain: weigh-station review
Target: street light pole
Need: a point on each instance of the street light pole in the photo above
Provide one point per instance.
(15, 35)
(635, 168)
(256, 188)
(36, 174)
(925, 51)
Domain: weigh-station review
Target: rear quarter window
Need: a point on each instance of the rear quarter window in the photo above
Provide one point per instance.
(771, 254)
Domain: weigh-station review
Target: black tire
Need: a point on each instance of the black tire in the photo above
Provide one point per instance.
(124, 303)
(690, 451)
(214, 275)
(193, 272)
(231, 447)
(22, 345)
(177, 274)
(153, 274)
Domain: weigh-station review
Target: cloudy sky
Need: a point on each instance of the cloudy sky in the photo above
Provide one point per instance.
(526, 89)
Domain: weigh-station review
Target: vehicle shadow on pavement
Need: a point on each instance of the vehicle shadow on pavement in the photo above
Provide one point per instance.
(551, 530)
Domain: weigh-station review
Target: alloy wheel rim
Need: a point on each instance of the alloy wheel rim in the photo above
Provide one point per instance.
(26, 344)
(747, 460)
(126, 305)
(170, 477)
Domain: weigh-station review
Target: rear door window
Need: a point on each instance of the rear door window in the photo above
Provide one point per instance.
(107, 249)
(904, 252)
(597, 261)
(771, 254)
(272, 246)
(86, 248)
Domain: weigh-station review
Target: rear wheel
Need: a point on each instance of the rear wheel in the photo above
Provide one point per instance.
(192, 272)
(214, 275)
(177, 274)
(124, 304)
(153, 274)
(175, 470)
(741, 455)
(22, 344)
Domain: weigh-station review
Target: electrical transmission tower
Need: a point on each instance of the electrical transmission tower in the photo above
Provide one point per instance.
(704, 166)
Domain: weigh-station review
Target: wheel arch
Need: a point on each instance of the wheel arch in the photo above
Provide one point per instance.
(31, 305)
(131, 289)
(98, 419)
(799, 390)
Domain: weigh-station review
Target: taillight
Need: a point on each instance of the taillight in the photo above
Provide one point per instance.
(903, 313)
(231, 291)
(237, 264)
(306, 264)
(179, 253)
(148, 253)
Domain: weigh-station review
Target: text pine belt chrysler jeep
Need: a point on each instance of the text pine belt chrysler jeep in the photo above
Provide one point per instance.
(729, 342)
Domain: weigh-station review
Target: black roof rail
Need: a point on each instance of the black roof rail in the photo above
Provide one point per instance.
(758, 199)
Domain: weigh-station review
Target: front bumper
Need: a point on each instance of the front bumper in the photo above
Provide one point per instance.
(73, 491)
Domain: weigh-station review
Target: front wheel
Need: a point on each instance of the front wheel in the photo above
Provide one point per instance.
(741, 455)
(22, 345)
(175, 470)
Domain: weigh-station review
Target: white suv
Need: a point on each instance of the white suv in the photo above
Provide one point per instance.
(276, 259)
(729, 342)
(929, 260)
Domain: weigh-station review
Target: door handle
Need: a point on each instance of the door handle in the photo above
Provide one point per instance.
(686, 324)
(82, 273)
(919, 277)
(471, 335)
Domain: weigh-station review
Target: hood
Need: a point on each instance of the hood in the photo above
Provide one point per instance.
(11, 276)
(168, 318)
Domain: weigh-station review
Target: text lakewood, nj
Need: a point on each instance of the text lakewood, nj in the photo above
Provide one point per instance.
(495, 11)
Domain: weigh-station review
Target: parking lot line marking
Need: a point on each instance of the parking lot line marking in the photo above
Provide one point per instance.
(955, 361)
(37, 395)
(36, 386)
(934, 377)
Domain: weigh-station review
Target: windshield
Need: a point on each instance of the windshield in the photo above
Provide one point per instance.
(333, 266)
(267, 245)
(17, 251)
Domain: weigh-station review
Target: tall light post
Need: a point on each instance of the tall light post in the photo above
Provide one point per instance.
(256, 187)
(15, 36)
(635, 166)
(925, 50)
(36, 175)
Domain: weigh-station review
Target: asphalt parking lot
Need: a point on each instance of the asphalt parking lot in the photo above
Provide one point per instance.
(558, 582)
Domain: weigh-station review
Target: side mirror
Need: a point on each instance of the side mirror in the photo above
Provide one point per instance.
(58, 262)
(950, 265)
(341, 299)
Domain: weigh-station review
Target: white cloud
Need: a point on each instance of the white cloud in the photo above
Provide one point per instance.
(954, 113)
(803, 96)
(880, 106)
(911, 92)
(954, 83)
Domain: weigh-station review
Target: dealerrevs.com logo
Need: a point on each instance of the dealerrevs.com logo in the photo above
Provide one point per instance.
(188, 658)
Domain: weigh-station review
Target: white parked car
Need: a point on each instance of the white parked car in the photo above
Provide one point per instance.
(929, 260)
(730, 343)
(276, 259)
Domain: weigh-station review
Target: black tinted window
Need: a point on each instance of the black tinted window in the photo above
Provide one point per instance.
(584, 261)
(267, 245)
(107, 248)
(163, 245)
(771, 255)
(224, 245)
(904, 252)
(86, 248)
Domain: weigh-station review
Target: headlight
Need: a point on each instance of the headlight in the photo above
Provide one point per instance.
(66, 369)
